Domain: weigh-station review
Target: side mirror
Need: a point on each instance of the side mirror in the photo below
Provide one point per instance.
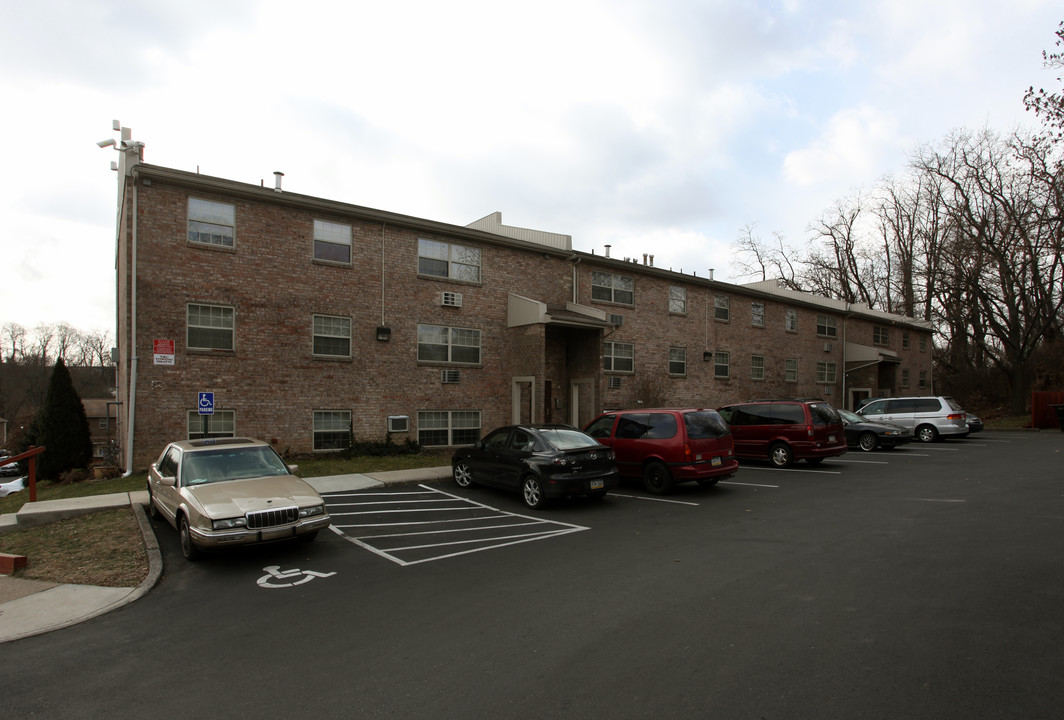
(168, 481)
(292, 469)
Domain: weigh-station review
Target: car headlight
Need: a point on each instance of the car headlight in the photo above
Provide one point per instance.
(311, 511)
(229, 523)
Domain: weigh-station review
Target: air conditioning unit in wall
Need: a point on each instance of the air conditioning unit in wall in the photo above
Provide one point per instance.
(828, 347)
(450, 377)
(614, 383)
(451, 299)
(616, 319)
(398, 423)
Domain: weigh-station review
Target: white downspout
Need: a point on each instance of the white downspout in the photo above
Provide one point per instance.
(131, 414)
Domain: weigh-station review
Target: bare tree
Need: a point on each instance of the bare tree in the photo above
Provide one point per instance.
(13, 341)
(1049, 106)
(758, 260)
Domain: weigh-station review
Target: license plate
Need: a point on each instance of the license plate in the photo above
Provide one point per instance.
(598, 484)
(831, 438)
(715, 462)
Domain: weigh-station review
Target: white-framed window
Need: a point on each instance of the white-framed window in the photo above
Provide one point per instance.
(757, 367)
(211, 223)
(923, 378)
(612, 288)
(721, 365)
(880, 335)
(210, 327)
(923, 343)
(904, 339)
(677, 361)
(827, 326)
(790, 321)
(618, 357)
(438, 343)
(332, 242)
(790, 370)
(677, 300)
(332, 336)
(332, 429)
(447, 260)
(905, 377)
(221, 424)
(826, 372)
(440, 428)
(757, 314)
(721, 308)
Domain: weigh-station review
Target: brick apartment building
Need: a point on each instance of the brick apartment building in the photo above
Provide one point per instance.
(309, 319)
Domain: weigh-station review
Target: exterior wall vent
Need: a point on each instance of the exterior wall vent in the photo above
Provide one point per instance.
(828, 347)
(614, 383)
(451, 299)
(616, 319)
(450, 377)
(398, 423)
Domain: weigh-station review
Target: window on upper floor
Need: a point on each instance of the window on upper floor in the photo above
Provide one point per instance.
(211, 223)
(827, 326)
(618, 357)
(757, 314)
(721, 365)
(332, 336)
(437, 343)
(757, 367)
(210, 327)
(332, 242)
(790, 370)
(904, 339)
(880, 335)
(923, 378)
(677, 300)
(790, 321)
(332, 429)
(905, 378)
(608, 287)
(677, 361)
(721, 308)
(447, 260)
(440, 428)
(923, 343)
(826, 372)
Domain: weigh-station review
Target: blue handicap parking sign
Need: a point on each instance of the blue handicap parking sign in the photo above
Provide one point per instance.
(206, 403)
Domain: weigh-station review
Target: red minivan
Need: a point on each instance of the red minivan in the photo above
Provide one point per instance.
(786, 430)
(666, 446)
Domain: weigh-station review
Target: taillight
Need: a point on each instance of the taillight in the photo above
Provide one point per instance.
(955, 416)
(809, 430)
(687, 454)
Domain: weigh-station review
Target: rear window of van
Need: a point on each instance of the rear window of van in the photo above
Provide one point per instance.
(824, 414)
(705, 424)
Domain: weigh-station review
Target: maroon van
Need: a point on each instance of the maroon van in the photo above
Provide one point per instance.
(667, 446)
(786, 430)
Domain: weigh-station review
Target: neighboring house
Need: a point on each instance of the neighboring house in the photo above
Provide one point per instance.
(309, 320)
(102, 414)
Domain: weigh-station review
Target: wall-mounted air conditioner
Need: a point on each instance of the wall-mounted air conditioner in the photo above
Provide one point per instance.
(828, 347)
(449, 377)
(451, 299)
(398, 423)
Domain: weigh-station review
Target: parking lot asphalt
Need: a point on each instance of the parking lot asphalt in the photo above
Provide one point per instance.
(32, 607)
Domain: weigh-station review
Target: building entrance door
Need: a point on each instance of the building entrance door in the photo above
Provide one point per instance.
(523, 396)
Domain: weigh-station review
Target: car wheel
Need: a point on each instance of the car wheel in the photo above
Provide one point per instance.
(781, 455)
(532, 492)
(188, 548)
(463, 475)
(153, 512)
(926, 434)
(867, 441)
(657, 478)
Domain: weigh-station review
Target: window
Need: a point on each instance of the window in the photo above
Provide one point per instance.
(923, 378)
(440, 259)
(677, 361)
(618, 357)
(332, 429)
(923, 343)
(221, 424)
(826, 326)
(448, 427)
(677, 300)
(905, 340)
(790, 321)
(757, 314)
(436, 343)
(332, 336)
(722, 308)
(880, 335)
(612, 288)
(757, 367)
(332, 242)
(790, 370)
(211, 223)
(210, 327)
(905, 378)
(103, 423)
(825, 372)
(721, 365)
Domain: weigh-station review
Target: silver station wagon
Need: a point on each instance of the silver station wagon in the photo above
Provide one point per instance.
(231, 491)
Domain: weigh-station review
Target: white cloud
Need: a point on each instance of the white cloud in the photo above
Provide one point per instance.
(851, 149)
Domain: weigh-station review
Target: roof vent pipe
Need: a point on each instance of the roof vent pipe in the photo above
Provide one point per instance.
(651, 261)
(277, 175)
(644, 258)
(711, 273)
(608, 250)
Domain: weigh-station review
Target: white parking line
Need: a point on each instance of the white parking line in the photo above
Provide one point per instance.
(863, 462)
(732, 482)
(653, 499)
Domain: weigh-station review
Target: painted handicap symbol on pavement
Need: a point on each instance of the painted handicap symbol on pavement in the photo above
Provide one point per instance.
(274, 575)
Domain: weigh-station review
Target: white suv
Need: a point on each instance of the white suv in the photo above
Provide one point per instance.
(929, 418)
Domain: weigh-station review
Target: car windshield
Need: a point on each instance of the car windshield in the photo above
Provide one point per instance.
(221, 464)
(563, 439)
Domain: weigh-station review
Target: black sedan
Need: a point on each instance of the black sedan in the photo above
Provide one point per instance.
(540, 461)
(868, 435)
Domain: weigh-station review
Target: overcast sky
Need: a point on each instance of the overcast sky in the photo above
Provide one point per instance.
(655, 126)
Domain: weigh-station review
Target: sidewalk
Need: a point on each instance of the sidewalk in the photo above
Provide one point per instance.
(32, 607)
